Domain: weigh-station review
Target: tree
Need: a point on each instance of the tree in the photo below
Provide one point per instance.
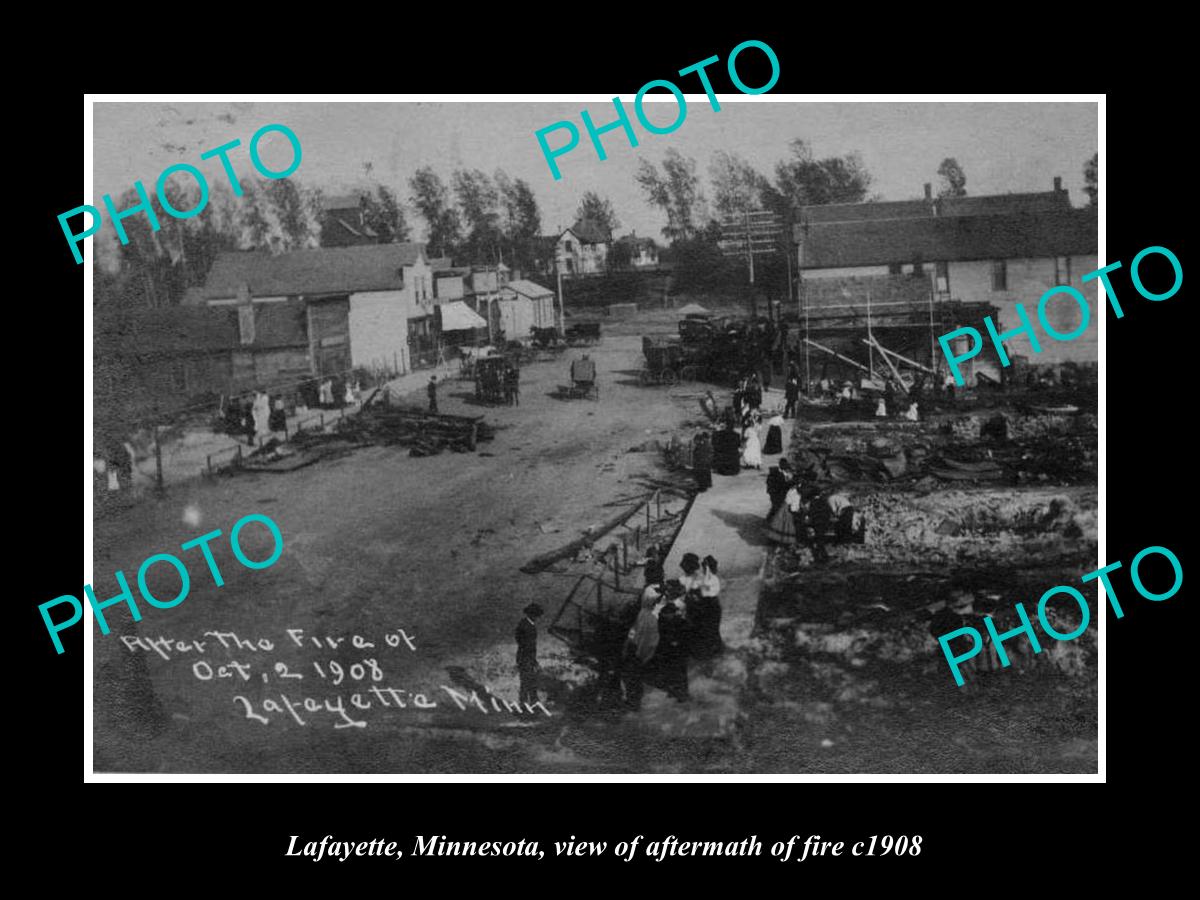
(737, 186)
(953, 178)
(478, 203)
(384, 215)
(620, 254)
(597, 210)
(254, 223)
(1091, 175)
(520, 219)
(676, 191)
(292, 227)
(432, 200)
(806, 181)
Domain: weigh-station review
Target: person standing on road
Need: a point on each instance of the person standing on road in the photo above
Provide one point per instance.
(527, 663)
(653, 570)
(514, 384)
(640, 648)
(704, 613)
(431, 390)
(261, 412)
(506, 384)
(791, 393)
(672, 653)
(778, 482)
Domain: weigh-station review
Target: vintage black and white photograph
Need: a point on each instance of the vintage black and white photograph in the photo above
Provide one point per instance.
(731, 452)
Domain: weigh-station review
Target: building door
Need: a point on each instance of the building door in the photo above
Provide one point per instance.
(329, 335)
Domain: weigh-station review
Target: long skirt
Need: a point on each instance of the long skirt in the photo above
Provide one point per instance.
(752, 452)
(781, 528)
(774, 442)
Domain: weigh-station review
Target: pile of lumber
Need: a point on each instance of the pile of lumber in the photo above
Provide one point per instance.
(424, 433)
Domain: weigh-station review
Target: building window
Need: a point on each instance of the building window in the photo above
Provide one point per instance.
(895, 269)
(570, 247)
(1062, 270)
(941, 275)
(999, 275)
(918, 269)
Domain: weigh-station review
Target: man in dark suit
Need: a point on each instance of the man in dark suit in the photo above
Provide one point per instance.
(527, 664)
(431, 390)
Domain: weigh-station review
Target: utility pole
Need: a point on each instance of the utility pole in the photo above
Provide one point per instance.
(870, 347)
(750, 257)
(562, 312)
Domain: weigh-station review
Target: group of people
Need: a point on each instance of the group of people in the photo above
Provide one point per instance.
(677, 620)
(498, 383)
(821, 519)
(737, 442)
(255, 417)
(650, 641)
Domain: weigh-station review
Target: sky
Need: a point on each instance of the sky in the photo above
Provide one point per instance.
(1002, 147)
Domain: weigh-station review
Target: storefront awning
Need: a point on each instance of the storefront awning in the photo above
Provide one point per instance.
(457, 316)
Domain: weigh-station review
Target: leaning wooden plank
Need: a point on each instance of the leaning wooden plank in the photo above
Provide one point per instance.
(904, 359)
(844, 359)
(891, 365)
(543, 562)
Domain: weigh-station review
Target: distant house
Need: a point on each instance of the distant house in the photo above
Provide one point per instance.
(343, 222)
(999, 249)
(522, 306)
(322, 312)
(643, 252)
(582, 249)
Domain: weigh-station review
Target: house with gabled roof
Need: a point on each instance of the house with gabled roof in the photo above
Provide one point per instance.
(999, 249)
(326, 310)
(521, 306)
(643, 251)
(343, 222)
(582, 249)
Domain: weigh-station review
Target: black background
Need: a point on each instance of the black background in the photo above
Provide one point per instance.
(982, 832)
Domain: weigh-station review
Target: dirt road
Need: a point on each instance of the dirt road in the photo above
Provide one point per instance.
(374, 541)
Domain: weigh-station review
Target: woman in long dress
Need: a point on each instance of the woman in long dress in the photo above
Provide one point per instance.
(781, 527)
(261, 411)
(704, 613)
(774, 443)
(640, 648)
(751, 449)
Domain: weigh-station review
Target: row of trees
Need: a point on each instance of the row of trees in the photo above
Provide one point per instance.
(693, 219)
(475, 218)
(736, 187)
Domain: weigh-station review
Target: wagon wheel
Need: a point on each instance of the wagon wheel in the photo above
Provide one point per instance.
(688, 373)
(669, 376)
(646, 377)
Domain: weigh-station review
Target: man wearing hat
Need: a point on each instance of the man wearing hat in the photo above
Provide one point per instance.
(527, 664)
(431, 390)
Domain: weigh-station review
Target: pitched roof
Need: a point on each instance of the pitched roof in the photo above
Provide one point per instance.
(328, 270)
(986, 205)
(634, 241)
(853, 212)
(590, 232)
(1001, 204)
(527, 288)
(169, 331)
(341, 201)
(1017, 235)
